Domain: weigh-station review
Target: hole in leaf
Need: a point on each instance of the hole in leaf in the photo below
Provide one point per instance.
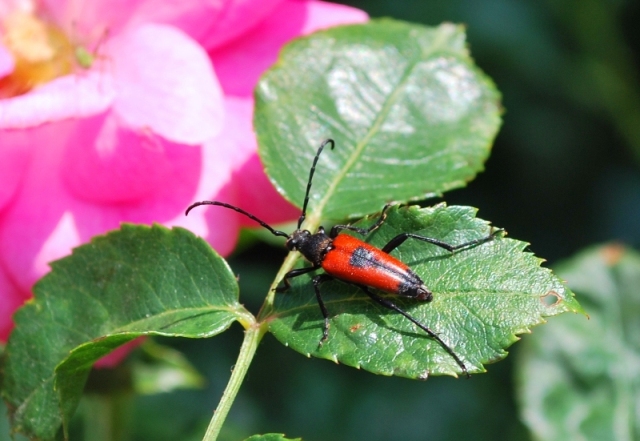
(550, 299)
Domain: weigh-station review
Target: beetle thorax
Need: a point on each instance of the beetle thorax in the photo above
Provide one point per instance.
(312, 246)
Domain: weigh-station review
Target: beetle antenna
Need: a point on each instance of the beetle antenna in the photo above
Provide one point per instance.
(241, 211)
(313, 169)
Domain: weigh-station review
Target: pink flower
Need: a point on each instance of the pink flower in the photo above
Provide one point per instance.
(141, 108)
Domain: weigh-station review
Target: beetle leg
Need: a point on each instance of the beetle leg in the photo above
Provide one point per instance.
(294, 273)
(400, 238)
(335, 230)
(317, 281)
(390, 305)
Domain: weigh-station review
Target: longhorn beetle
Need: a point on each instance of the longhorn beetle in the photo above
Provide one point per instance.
(355, 262)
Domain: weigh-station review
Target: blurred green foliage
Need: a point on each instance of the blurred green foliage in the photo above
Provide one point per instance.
(576, 378)
(563, 175)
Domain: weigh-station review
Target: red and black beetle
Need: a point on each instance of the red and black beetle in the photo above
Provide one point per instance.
(355, 262)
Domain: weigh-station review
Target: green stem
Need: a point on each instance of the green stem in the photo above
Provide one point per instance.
(252, 337)
(106, 417)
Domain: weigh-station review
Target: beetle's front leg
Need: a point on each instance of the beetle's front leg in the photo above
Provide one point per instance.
(294, 273)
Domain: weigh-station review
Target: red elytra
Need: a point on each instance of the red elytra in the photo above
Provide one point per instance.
(355, 261)
(350, 260)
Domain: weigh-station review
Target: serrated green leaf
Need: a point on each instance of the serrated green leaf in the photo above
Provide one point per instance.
(411, 114)
(131, 282)
(483, 297)
(578, 378)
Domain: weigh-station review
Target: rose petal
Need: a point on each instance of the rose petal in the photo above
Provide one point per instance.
(226, 152)
(7, 63)
(251, 189)
(166, 83)
(255, 193)
(10, 6)
(193, 17)
(218, 226)
(47, 220)
(30, 219)
(84, 20)
(237, 18)
(108, 163)
(14, 156)
(71, 96)
(234, 175)
(56, 245)
(321, 15)
(115, 357)
(240, 63)
(12, 299)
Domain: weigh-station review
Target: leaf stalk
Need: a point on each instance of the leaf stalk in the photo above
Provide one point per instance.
(252, 338)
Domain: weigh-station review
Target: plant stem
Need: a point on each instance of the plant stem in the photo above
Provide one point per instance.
(252, 337)
(106, 417)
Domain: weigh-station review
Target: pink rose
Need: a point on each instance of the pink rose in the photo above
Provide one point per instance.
(143, 108)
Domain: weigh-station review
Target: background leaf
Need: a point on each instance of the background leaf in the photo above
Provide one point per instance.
(271, 437)
(411, 114)
(135, 281)
(483, 298)
(577, 378)
(161, 368)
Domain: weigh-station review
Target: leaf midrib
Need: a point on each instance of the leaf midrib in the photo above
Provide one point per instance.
(316, 214)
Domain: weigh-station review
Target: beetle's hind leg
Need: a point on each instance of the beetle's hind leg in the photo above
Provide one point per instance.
(400, 238)
(390, 305)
